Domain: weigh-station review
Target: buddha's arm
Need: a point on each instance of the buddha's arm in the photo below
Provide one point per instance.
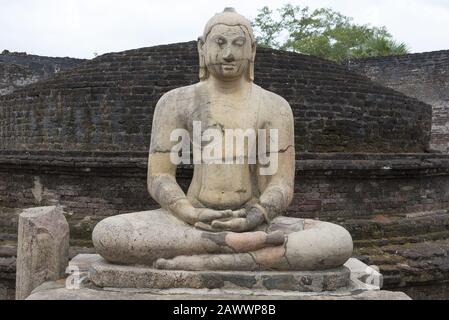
(162, 184)
(161, 180)
(163, 188)
(278, 194)
(278, 187)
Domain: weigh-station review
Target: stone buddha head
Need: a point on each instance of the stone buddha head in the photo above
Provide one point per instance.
(227, 48)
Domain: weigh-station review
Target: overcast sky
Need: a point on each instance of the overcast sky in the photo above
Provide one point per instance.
(78, 28)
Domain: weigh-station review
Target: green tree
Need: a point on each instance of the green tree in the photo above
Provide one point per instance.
(324, 33)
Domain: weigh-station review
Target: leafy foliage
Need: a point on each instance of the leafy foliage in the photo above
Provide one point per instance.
(324, 33)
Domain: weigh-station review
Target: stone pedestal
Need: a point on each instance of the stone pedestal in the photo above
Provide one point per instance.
(57, 291)
(42, 248)
(106, 275)
(112, 282)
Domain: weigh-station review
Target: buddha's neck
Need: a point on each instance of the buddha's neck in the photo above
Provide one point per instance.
(236, 87)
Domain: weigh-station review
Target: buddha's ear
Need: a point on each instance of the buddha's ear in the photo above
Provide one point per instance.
(200, 44)
(203, 74)
(251, 62)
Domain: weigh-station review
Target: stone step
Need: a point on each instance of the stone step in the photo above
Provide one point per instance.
(104, 274)
(380, 228)
(57, 291)
(409, 264)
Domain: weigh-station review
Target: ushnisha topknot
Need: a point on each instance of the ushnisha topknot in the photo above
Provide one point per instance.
(229, 17)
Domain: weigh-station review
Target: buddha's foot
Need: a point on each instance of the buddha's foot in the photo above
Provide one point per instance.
(264, 259)
(245, 242)
(319, 246)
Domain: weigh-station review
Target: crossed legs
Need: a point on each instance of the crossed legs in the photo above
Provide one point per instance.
(157, 238)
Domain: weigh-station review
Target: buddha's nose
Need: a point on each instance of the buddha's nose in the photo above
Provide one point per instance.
(227, 55)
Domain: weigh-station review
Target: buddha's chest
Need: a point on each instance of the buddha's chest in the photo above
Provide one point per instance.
(226, 114)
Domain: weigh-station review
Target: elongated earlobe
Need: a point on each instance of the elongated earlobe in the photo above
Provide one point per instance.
(251, 62)
(203, 73)
(251, 71)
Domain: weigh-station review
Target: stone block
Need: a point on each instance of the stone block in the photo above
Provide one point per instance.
(369, 275)
(57, 291)
(83, 262)
(110, 282)
(42, 250)
(104, 274)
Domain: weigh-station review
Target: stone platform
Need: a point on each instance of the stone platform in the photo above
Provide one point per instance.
(103, 281)
(102, 274)
(58, 291)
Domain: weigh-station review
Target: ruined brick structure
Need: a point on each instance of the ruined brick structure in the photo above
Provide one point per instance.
(424, 76)
(18, 69)
(80, 139)
(107, 104)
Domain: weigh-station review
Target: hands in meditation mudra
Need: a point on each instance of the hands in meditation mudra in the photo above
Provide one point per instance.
(232, 216)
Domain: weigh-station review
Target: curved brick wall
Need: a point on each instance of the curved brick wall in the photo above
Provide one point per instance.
(13, 76)
(424, 76)
(106, 104)
(18, 69)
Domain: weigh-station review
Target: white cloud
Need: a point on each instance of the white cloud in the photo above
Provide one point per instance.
(81, 27)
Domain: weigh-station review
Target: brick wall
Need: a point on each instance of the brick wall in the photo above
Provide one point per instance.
(107, 104)
(424, 76)
(92, 186)
(18, 69)
(394, 205)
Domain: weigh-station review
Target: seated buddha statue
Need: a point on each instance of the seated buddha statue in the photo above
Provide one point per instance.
(233, 215)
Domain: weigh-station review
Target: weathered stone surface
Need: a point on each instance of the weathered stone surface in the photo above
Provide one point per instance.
(335, 110)
(369, 275)
(96, 185)
(56, 291)
(7, 271)
(420, 75)
(411, 264)
(160, 239)
(85, 261)
(13, 76)
(103, 274)
(42, 251)
(225, 221)
(18, 69)
(378, 210)
(434, 291)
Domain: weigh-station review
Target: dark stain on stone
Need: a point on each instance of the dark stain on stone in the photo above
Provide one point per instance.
(307, 281)
(246, 281)
(211, 281)
(218, 238)
(287, 282)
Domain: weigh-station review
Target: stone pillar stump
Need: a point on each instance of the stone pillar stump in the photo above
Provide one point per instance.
(42, 248)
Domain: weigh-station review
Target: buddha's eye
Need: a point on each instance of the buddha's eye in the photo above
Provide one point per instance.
(221, 41)
(239, 42)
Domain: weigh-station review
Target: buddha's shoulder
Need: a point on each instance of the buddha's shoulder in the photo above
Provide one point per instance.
(272, 101)
(179, 94)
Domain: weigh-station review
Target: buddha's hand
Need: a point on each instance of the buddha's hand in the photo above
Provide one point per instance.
(207, 218)
(253, 218)
(194, 216)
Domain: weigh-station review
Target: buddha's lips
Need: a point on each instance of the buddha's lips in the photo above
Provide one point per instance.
(228, 66)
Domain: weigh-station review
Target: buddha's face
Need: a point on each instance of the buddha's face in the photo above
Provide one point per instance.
(227, 52)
